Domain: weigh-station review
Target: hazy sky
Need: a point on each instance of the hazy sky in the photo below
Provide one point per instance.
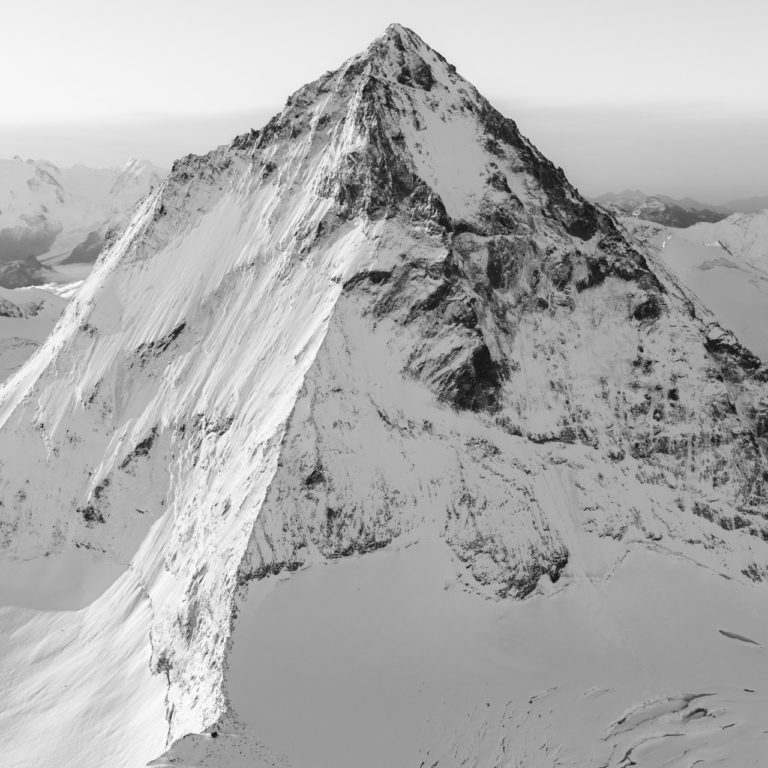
(666, 95)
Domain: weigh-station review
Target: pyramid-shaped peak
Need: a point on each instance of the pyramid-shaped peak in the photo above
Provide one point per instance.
(400, 35)
(401, 55)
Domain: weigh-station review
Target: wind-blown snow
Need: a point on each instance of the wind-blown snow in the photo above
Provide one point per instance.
(76, 687)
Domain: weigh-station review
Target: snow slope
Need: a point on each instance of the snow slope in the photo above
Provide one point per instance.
(339, 380)
(27, 317)
(386, 660)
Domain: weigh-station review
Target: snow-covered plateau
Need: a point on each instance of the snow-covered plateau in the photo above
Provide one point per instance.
(368, 441)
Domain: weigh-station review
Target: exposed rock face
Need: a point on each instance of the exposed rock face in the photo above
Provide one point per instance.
(383, 317)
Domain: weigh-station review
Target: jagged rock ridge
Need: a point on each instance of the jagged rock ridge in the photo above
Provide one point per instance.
(383, 318)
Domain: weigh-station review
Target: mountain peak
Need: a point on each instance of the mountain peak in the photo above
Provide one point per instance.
(395, 115)
(383, 319)
(402, 56)
(396, 28)
(402, 33)
(402, 39)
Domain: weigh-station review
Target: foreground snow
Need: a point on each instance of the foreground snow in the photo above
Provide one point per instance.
(75, 685)
(389, 659)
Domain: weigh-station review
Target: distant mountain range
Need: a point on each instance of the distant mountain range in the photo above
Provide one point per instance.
(747, 205)
(676, 212)
(743, 236)
(51, 216)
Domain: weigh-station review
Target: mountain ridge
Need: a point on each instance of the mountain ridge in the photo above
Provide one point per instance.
(681, 212)
(661, 209)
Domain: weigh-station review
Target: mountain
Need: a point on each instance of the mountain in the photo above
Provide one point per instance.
(676, 212)
(743, 236)
(726, 283)
(660, 209)
(692, 204)
(62, 216)
(369, 441)
(748, 204)
(24, 272)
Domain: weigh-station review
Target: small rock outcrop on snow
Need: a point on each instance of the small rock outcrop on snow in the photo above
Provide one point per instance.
(383, 321)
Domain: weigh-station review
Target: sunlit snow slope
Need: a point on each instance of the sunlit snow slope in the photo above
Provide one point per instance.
(403, 453)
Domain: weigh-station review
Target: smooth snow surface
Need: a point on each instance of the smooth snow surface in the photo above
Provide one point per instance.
(64, 581)
(386, 660)
(82, 681)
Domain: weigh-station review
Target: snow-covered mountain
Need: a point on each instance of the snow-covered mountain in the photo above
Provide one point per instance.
(727, 285)
(370, 442)
(747, 204)
(660, 209)
(725, 265)
(743, 236)
(63, 215)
